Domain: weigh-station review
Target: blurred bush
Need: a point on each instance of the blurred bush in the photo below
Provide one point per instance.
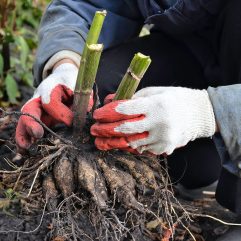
(19, 20)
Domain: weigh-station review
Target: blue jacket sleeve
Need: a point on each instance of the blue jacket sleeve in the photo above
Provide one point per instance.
(65, 25)
(226, 103)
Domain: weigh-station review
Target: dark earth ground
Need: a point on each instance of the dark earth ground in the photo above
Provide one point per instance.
(15, 225)
(203, 228)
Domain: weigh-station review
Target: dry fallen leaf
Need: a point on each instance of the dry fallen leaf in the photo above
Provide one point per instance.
(153, 224)
(59, 238)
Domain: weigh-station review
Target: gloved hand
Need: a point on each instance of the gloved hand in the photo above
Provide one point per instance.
(156, 119)
(51, 103)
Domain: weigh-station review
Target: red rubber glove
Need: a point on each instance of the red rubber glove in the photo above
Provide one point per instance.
(104, 129)
(51, 103)
(104, 140)
(157, 120)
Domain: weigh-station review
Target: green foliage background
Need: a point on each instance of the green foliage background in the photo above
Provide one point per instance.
(19, 21)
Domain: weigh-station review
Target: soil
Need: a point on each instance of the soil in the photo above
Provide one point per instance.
(204, 228)
(21, 221)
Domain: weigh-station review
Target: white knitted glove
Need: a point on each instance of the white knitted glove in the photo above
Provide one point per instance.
(51, 103)
(170, 117)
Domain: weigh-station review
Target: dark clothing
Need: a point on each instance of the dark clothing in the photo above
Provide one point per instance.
(197, 45)
(65, 24)
(198, 164)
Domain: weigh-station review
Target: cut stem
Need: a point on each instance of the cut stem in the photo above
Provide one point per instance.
(92, 38)
(87, 72)
(82, 97)
(133, 76)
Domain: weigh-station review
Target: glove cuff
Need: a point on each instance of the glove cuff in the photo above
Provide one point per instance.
(204, 124)
(66, 67)
(64, 54)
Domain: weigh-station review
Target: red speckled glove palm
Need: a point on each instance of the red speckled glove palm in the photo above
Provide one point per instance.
(51, 103)
(105, 139)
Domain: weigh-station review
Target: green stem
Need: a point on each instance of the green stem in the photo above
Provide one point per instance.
(87, 72)
(133, 76)
(96, 27)
(82, 96)
(92, 38)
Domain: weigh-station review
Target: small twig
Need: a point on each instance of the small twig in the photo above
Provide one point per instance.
(10, 149)
(11, 172)
(34, 180)
(4, 113)
(188, 230)
(45, 159)
(216, 219)
(16, 183)
(118, 222)
(11, 164)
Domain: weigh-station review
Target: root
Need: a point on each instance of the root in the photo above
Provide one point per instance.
(91, 180)
(30, 167)
(106, 196)
(64, 176)
(50, 192)
(34, 180)
(122, 184)
(140, 171)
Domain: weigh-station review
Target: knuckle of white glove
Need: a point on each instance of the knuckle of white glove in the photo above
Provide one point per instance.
(136, 144)
(170, 150)
(142, 142)
(132, 107)
(156, 149)
(134, 127)
(166, 143)
(156, 143)
(171, 141)
(163, 140)
(161, 150)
